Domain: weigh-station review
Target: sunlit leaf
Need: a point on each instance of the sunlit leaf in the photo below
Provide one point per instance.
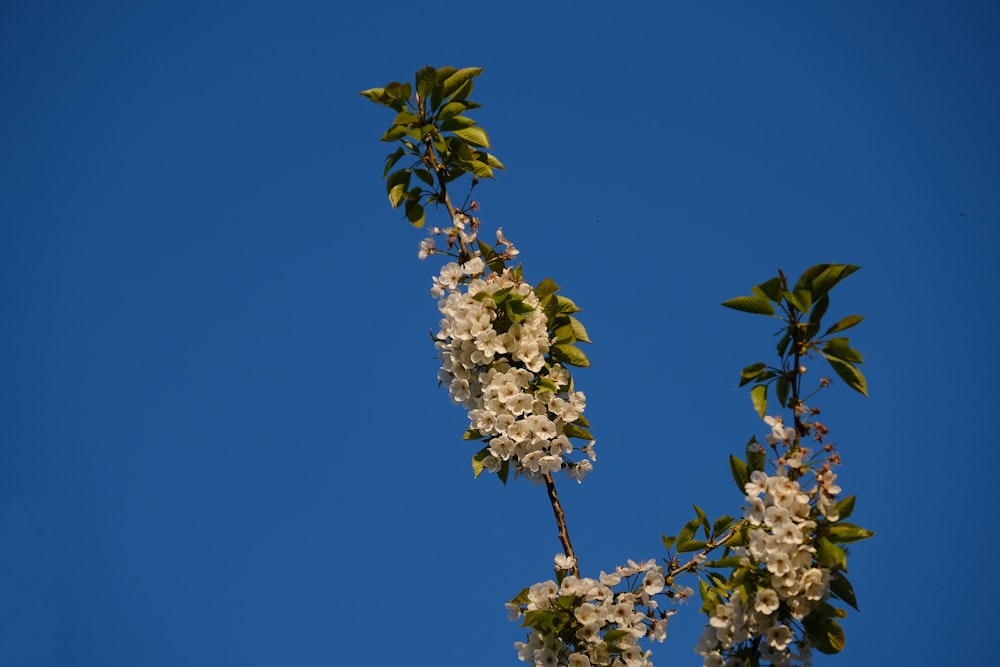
(750, 304)
(759, 397)
(846, 323)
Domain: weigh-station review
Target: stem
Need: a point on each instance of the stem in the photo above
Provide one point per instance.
(557, 509)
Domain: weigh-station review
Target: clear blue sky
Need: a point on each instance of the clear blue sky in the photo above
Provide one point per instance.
(221, 439)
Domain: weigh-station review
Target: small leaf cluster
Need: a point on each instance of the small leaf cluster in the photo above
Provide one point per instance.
(440, 141)
(801, 307)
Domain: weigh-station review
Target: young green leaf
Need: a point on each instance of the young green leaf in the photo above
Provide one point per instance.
(474, 135)
(759, 397)
(757, 305)
(848, 532)
(846, 323)
(738, 469)
(842, 588)
(849, 374)
(752, 372)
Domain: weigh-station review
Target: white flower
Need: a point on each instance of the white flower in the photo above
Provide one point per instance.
(653, 582)
(426, 248)
(779, 432)
(767, 601)
(779, 636)
(564, 562)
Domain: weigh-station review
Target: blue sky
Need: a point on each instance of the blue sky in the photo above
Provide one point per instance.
(222, 441)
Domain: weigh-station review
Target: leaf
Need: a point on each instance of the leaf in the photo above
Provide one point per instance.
(848, 532)
(755, 455)
(739, 471)
(781, 389)
(459, 78)
(845, 507)
(374, 94)
(704, 519)
(456, 123)
(727, 562)
(405, 118)
(569, 354)
(451, 110)
(578, 330)
(490, 257)
(424, 176)
(415, 214)
(474, 135)
(391, 159)
(752, 372)
(759, 397)
(849, 374)
(668, 541)
(566, 305)
(825, 634)
(829, 554)
(819, 310)
(395, 132)
(800, 299)
(783, 344)
(545, 288)
(842, 589)
(846, 323)
(757, 305)
(574, 431)
(770, 289)
(478, 466)
(492, 160)
(721, 525)
(841, 348)
(426, 80)
(396, 185)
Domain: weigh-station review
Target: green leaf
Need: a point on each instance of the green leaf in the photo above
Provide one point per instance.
(783, 344)
(424, 176)
(800, 299)
(849, 374)
(721, 525)
(490, 257)
(396, 185)
(755, 455)
(759, 397)
(545, 288)
(459, 78)
(752, 372)
(474, 135)
(829, 554)
(704, 520)
(569, 354)
(395, 132)
(492, 161)
(757, 305)
(504, 472)
(781, 389)
(522, 597)
(848, 532)
(770, 289)
(821, 278)
(846, 323)
(739, 471)
(426, 79)
(690, 545)
(842, 589)
(374, 94)
(819, 310)
(668, 541)
(578, 330)
(415, 214)
(845, 508)
(405, 118)
(477, 461)
(824, 633)
(688, 530)
(574, 431)
(456, 123)
(451, 110)
(841, 348)
(566, 305)
(391, 159)
(727, 562)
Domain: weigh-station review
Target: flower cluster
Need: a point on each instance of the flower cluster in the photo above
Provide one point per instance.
(781, 561)
(493, 342)
(579, 622)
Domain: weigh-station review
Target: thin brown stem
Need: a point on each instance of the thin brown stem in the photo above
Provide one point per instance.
(557, 509)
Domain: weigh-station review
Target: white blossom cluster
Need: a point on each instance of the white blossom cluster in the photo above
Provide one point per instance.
(791, 582)
(492, 367)
(594, 609)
